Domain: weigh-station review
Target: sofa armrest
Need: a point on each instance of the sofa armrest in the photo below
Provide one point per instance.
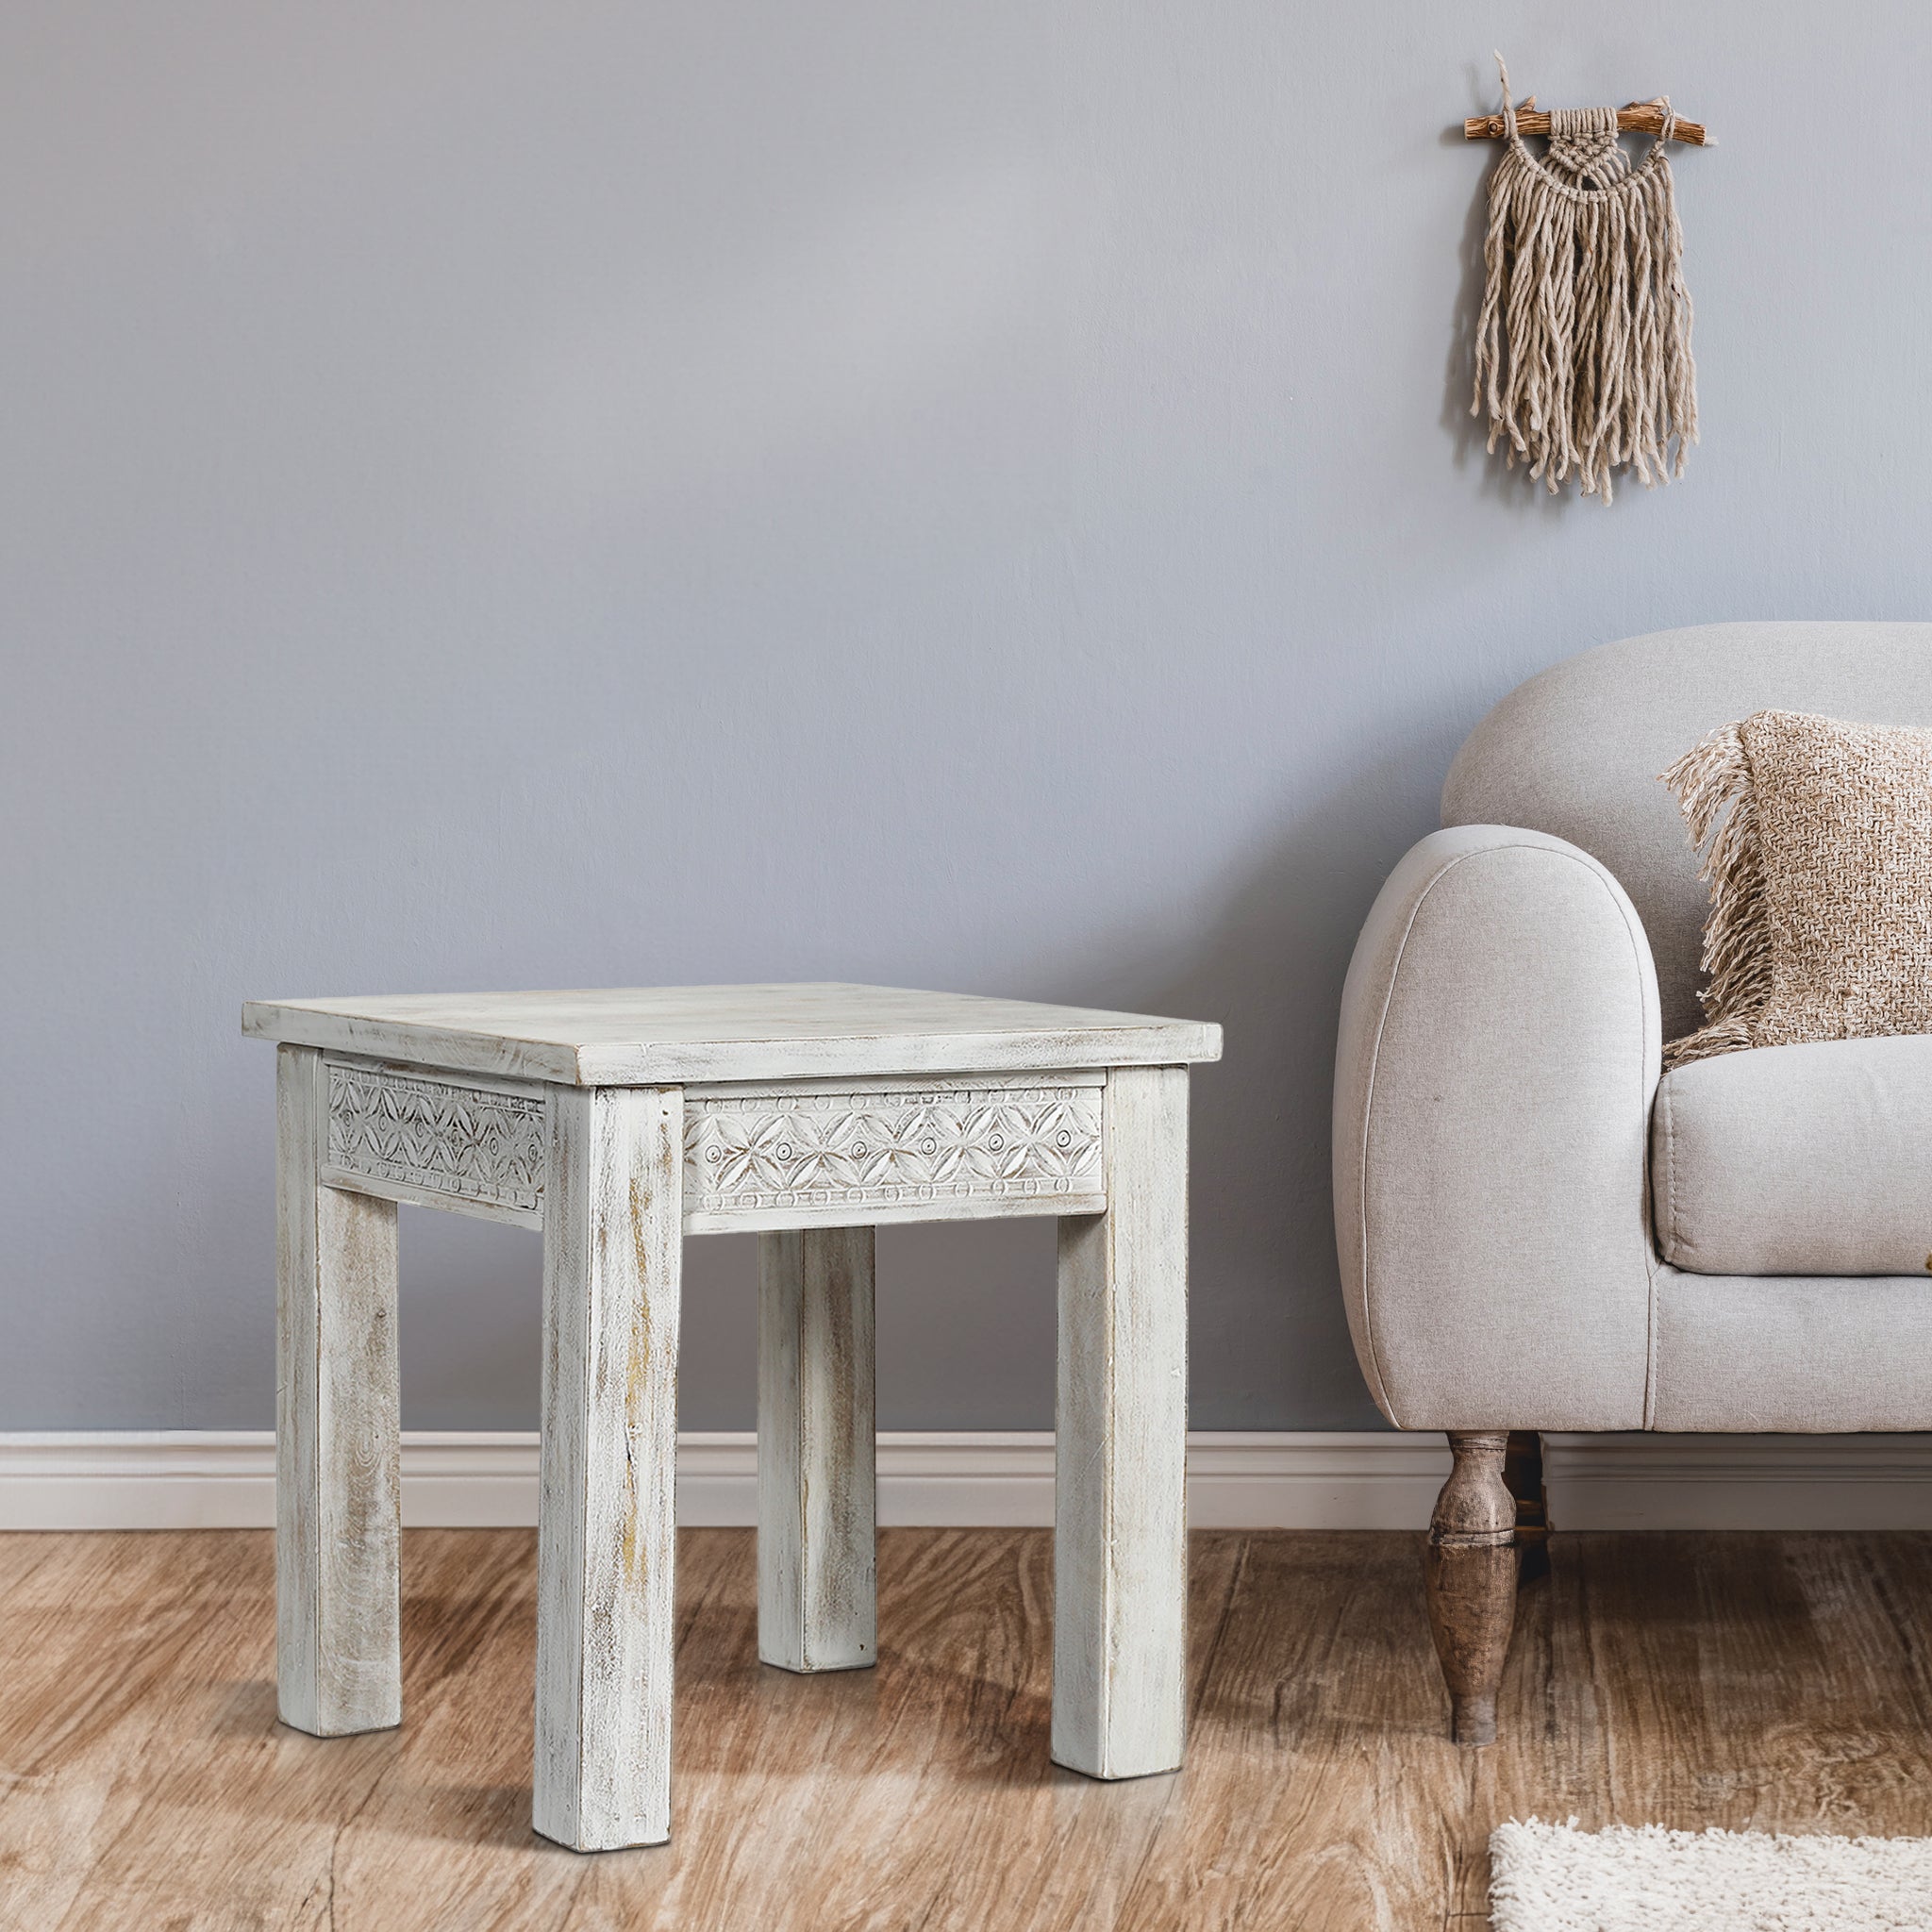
(1498, 1054)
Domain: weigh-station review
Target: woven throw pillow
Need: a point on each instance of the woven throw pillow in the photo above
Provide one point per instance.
(1817, 838)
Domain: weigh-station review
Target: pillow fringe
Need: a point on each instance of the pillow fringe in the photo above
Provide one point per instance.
(1712, 784)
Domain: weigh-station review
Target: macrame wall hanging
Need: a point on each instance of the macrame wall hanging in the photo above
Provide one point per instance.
(1583, 345)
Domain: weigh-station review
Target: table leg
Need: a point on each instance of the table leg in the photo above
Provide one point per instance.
(607, 1513)
(338, 1483)
(1120, 1512)
(817, 1503)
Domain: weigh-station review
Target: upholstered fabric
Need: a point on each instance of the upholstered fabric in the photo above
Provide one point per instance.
(1810, 1159)
(1786, 1352)
(1498, 1059)
(1498, 1055)
(1576, 749)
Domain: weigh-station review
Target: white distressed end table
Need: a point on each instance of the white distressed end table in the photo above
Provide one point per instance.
(618, 1122)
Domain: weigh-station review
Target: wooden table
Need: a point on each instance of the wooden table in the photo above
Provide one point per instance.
(618, 1122)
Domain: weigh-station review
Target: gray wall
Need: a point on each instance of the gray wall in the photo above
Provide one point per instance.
(971, 496)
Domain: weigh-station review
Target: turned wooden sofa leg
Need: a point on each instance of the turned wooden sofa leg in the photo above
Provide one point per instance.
(1523, 1470)
(1471, 1571)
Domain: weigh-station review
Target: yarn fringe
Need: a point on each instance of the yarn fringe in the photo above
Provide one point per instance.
(1583, 357)
(1712, 784)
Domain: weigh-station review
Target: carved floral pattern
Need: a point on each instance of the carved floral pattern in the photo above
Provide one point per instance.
(823, 1149)
(468, 1141)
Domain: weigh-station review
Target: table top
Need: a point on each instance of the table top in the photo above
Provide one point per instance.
(669, 1035)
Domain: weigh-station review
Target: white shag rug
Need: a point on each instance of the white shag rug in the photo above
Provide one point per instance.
(1642, 1878)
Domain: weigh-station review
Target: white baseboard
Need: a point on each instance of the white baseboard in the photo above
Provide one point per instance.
(1278, 1479)
(1738, 1482)
(226, 1480)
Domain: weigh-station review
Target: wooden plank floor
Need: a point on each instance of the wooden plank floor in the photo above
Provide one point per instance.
(1770, 1682)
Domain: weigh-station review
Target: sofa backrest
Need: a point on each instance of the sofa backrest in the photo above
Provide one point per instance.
(1576, 749)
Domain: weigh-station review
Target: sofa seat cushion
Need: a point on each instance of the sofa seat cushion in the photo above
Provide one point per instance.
(1792, 1355)
(1813, 1160)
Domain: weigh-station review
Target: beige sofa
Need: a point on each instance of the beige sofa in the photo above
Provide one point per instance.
(1535, 1232)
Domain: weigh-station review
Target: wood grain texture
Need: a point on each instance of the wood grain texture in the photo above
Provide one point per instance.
(1470, 1574)
(1640, 117)
(817, 1488)
(1753, 1681)
(612, 1257)
(891, 1213)
(1120, 1507)
(641, 1036)
(338, 1430)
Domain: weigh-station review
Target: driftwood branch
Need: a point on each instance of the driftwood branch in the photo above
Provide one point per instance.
(1640, 117)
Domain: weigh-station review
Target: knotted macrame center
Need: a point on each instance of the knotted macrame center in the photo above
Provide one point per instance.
(1583, 146)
